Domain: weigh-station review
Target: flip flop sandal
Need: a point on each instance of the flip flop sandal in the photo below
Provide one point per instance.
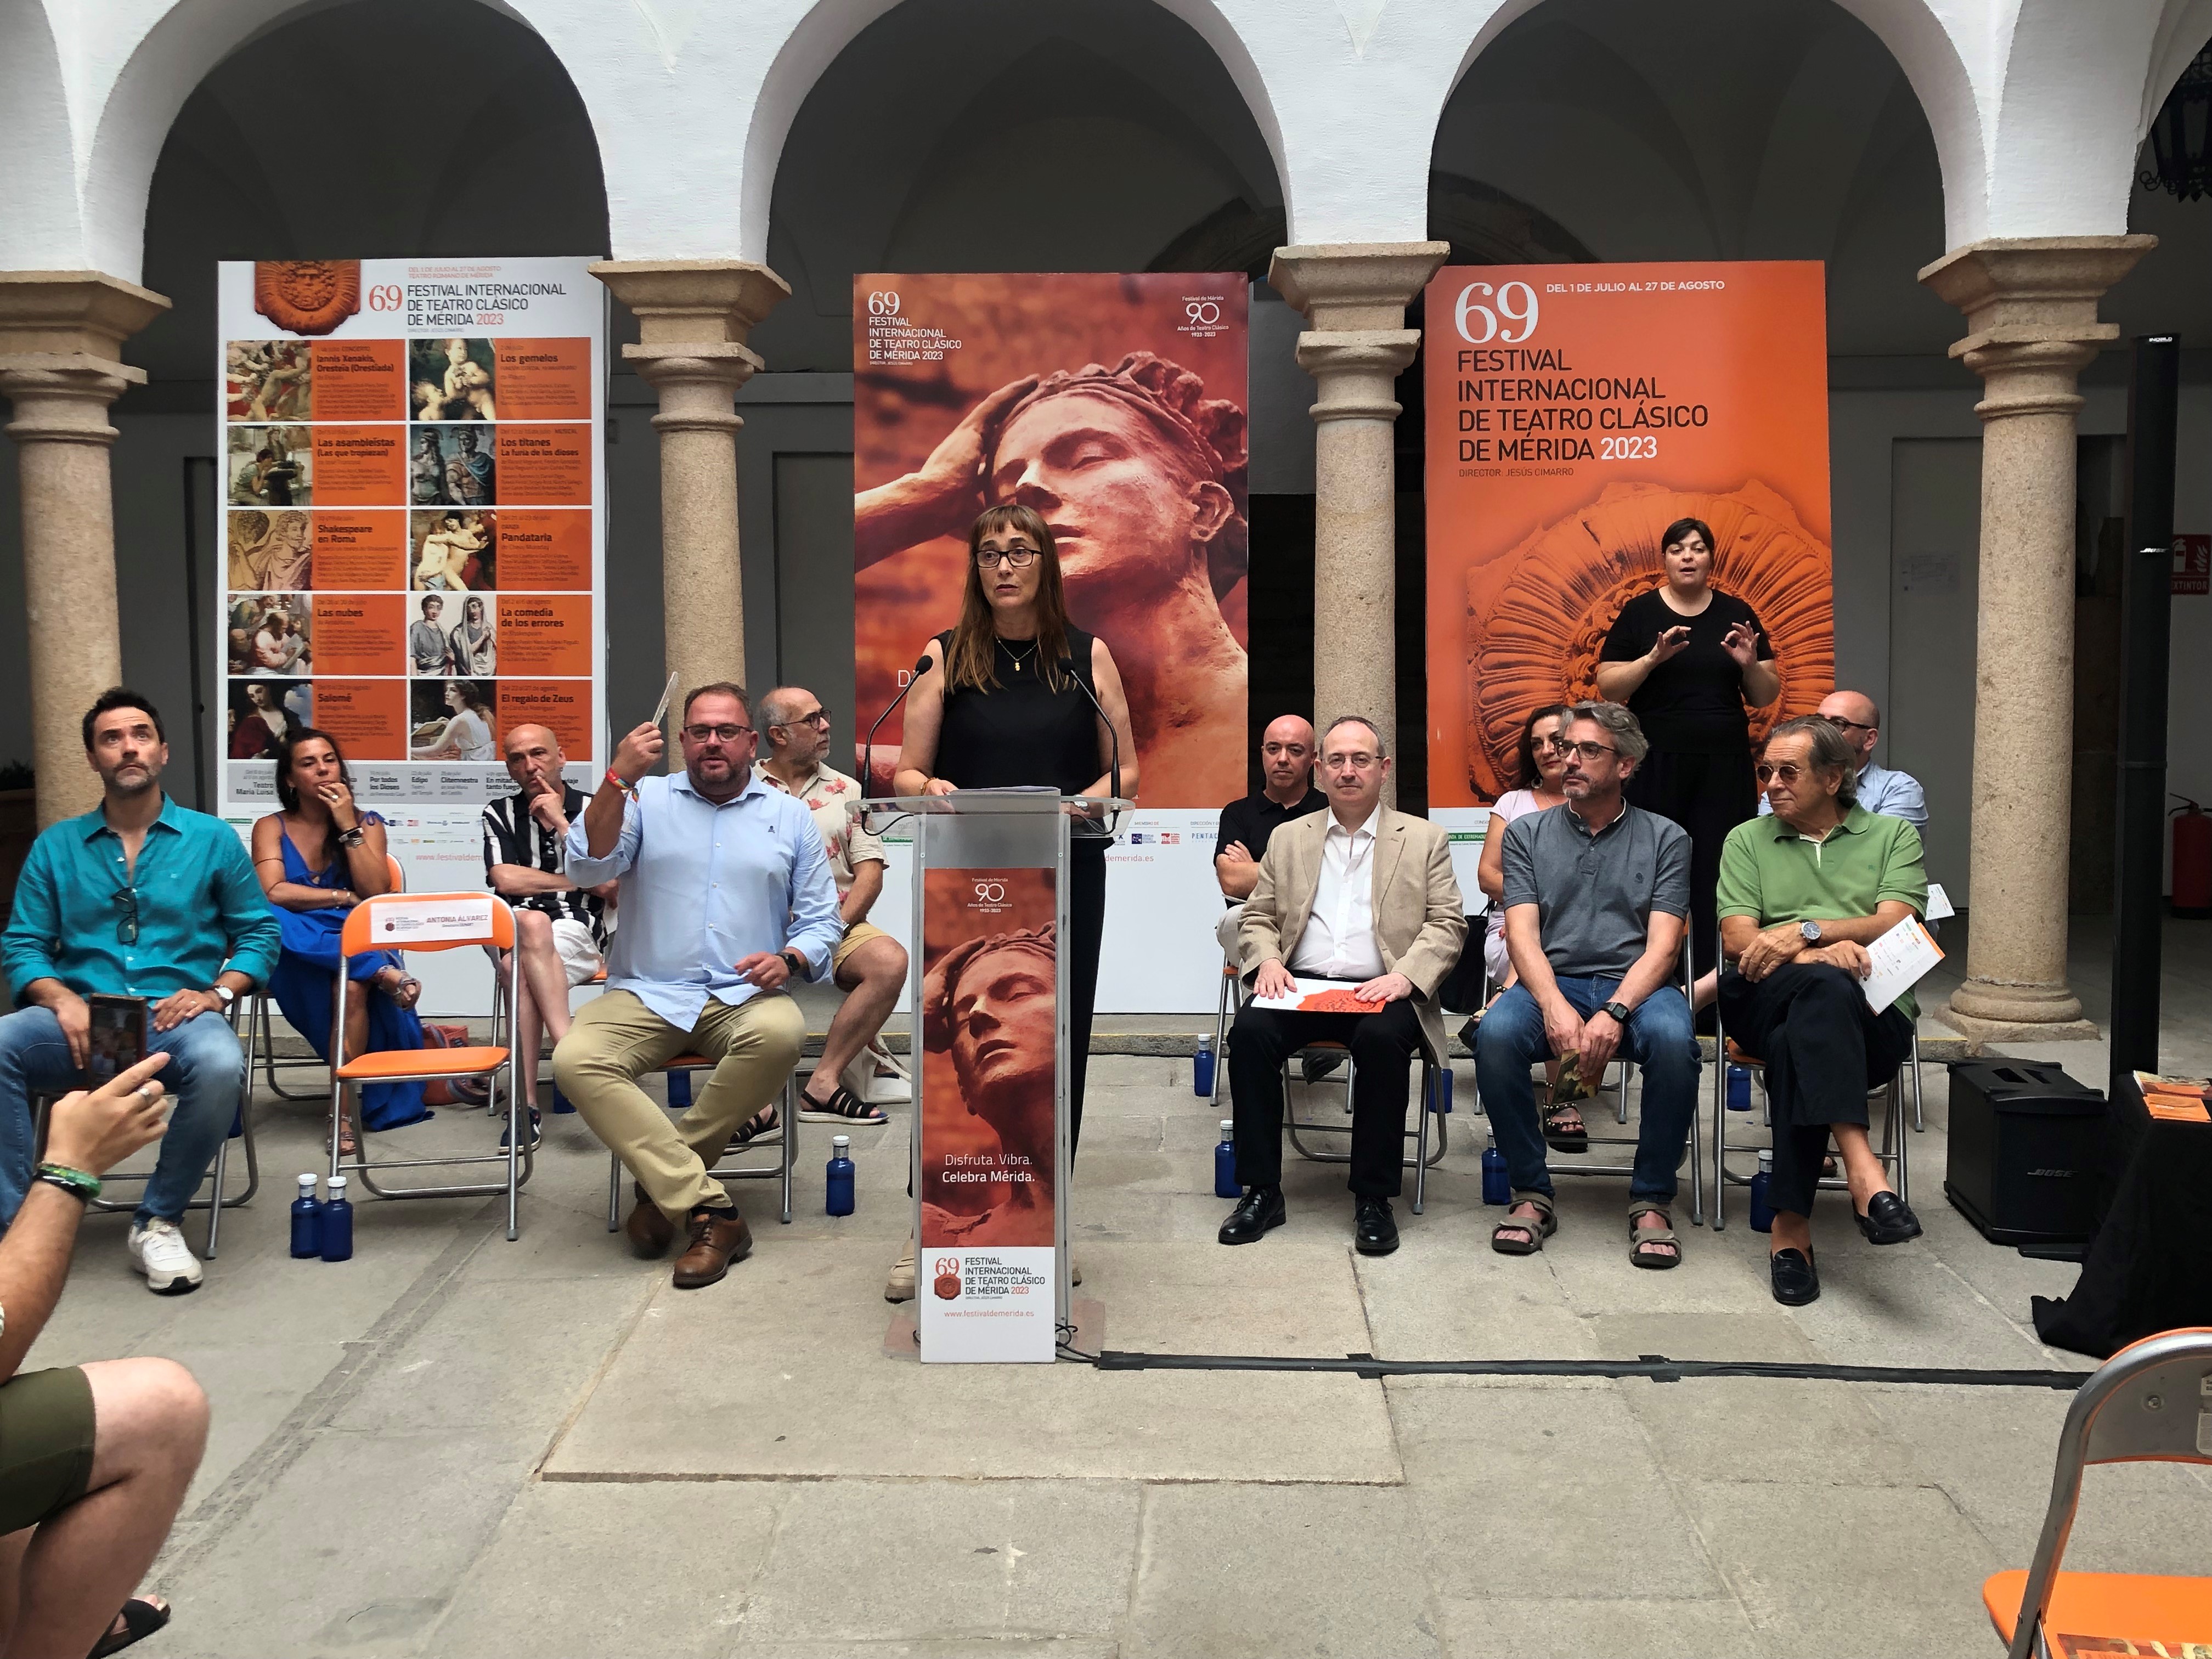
(1560, 1138)
(1537, 1231)
(762, 1122)
(842, 1107)
(142, 1616)
(1638, 1237)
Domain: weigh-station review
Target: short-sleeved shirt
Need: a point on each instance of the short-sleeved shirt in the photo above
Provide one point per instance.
(1772, 874)
(511, 836)
(1691, 704)
(1254, 817)
(1595, 894)
(829, 794)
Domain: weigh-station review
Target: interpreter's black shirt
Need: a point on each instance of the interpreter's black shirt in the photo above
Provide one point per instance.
(1255, 818)
(1691, 704)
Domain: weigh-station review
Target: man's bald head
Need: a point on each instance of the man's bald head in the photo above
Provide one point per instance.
(534, 759)
(1854, 714)
(1286, 758)
(790, 726)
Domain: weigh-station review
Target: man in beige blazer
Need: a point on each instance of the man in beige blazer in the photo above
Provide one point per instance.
(1365, 895)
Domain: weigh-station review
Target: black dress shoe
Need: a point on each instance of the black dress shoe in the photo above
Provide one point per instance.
(1319, 1063)
(1796, 1283)
(1261, 1209)
(1373, 1230)
(1888, 1220)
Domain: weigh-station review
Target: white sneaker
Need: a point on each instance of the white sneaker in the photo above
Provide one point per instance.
(159, 1251)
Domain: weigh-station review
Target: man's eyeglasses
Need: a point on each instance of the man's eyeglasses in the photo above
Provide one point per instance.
(126, 929)
(1589, 752)
(1788, 772)
(1019, 557)
(819, 719)
(726, 733)
(1843, 725)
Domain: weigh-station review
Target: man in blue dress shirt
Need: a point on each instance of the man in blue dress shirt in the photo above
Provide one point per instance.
(726, 895)
(1895, 794)
(141, 898)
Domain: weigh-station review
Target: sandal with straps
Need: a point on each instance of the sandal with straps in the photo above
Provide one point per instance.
(1640, 1237)
(142, 1615)
(842, 1106)
(1564, 1130)
(762, 1122)
(1536, 1231)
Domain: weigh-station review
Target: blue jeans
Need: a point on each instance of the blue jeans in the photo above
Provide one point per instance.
(1510, 1039)
(202, 1077)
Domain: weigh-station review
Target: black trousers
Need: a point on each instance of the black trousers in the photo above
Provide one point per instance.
(1708, 795)
(1383, 1048)
(1823, 1050)
(1086, 924)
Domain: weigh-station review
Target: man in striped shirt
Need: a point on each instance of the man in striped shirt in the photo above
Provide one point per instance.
(561, 927)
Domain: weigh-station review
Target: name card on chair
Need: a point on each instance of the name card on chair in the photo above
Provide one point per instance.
(439, 918)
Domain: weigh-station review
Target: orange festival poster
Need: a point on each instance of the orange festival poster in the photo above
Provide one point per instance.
(1116, 406)
(1575, 412)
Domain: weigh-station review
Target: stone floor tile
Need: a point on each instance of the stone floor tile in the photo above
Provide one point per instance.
(1495, 1627)
(1287, 1295)
(1737, 1428)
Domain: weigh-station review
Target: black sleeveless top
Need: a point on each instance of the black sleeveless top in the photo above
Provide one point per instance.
(1023, 734)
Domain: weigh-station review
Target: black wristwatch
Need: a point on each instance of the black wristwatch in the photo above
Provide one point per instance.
(1618, 1011)
(795, 962)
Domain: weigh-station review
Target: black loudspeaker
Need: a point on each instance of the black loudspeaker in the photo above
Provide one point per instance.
(2026, 1139)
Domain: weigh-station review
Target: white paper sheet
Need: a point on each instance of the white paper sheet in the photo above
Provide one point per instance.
(1296, 1001)
(1901, 958)
(1939, 902)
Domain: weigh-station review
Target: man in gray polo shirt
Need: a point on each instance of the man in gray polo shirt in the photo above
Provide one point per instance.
(1596, 896)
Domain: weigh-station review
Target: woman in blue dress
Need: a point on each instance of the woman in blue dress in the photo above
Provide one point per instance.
(317, 859)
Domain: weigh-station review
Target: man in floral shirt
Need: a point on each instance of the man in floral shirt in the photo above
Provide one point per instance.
(868, 963)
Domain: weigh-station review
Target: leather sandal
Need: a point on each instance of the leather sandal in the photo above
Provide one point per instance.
(842, 1106)
(1535, 1231)
(1564, 1130)
(142, 1615)
(1640, 1237)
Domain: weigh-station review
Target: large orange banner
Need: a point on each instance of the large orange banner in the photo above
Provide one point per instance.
(1575, 412)
(1116, 406)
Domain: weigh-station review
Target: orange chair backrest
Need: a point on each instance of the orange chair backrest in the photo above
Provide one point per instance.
(360, 933)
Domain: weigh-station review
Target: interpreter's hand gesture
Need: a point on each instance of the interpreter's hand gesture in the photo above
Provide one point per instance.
(95, 1129)
(1742, 643)
(1670, 644)
(1386, 987)
(1273, 980)
(946, 492)
(338, 798)
(638, 752)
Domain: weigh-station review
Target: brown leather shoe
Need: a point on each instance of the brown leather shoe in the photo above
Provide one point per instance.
(649, 1231)
(718, 1238)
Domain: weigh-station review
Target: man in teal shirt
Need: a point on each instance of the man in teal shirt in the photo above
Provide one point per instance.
(138, 897)
(1801, 895)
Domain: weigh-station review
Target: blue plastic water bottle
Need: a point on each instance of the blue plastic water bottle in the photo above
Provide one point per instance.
(1440, 1096)
(337, 1223)
(1739, 1088)
(1202, 1068)
(1495, 1188)
(306, 1221)
(679, 1088)
(840, 1176)
(1762, 1213)
(1224, 1162)
(561, 1102)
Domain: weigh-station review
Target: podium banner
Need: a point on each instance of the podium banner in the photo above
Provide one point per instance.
(988, 1124)
(1575, 412)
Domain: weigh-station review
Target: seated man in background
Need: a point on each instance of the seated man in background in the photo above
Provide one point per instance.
(1880, 789)
(560, 928)
(1359, 893)
(1802, 894)
(1286, 763)
(726, 895)
(94, 1458)
(1596, 896)
(868, 964)
(140, 898)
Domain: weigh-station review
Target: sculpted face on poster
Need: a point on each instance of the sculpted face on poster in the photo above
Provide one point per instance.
(413, 532)
(988, 1134)
(1116, 406)
(1574, 412)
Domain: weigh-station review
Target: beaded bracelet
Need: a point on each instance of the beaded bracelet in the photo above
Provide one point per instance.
(78, 1184)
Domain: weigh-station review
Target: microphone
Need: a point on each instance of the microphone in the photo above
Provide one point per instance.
(1067, 667)
(921, 667)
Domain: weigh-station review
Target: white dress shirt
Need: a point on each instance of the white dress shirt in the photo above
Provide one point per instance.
(1339, 942)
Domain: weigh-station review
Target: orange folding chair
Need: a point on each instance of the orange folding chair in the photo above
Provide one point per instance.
(2151, 1402)
(384, 923)
(261, 1026)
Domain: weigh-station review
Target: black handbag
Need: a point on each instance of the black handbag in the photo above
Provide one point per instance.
(1460, 990)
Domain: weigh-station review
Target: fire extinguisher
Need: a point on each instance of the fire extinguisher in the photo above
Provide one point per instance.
(2192, 861)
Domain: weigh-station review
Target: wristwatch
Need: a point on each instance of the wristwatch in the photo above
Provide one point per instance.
(228, 995)
(1811, 930)
(795, 962)
(1618, 1011)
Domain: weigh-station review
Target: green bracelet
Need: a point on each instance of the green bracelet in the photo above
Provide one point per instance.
(77, 1184)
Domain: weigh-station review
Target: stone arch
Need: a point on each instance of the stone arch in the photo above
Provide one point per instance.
(2182, 32)
(42, 229)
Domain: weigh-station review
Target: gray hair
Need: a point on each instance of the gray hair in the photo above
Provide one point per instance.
(1830, 749)
(1628, 734)
(1382, 746)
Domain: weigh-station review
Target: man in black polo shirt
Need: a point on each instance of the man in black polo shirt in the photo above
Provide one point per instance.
(1286, 759)
(561, 928)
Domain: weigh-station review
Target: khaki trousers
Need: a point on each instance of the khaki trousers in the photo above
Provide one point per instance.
(615, 1039)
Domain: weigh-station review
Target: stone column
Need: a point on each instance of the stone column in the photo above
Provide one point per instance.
(693, 317)
(61, 344)
(2031, 308)
(1355, 294)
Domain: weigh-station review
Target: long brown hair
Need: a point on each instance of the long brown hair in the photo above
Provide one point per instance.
(969, 662)
(287, 790)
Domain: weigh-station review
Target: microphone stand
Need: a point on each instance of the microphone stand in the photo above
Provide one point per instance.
(1067, 667)
(868, 782)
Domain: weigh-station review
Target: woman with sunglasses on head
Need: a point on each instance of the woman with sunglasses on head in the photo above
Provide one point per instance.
(1007, 701)
(317, 858)
(1687, 659)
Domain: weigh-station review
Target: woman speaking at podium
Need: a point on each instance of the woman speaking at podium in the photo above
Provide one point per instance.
(1010, 697)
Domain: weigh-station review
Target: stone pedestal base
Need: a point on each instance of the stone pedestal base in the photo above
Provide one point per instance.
(1980, 1033)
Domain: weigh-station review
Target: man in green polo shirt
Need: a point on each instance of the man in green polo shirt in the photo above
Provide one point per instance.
(1801, 895)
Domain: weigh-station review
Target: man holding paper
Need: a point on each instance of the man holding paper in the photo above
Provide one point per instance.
(1364, 895)
(1805, 895)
